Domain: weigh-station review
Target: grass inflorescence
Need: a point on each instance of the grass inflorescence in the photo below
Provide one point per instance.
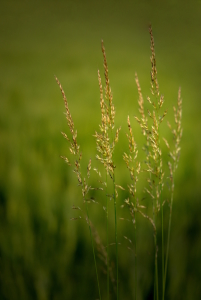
(151, 115)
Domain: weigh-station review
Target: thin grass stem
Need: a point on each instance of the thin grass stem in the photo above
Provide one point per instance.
(162, 215)
(168, 239)
(107, 237)
(135, 257)
(90, 232)
(94, 256)
(116, 238)
(162, 242)
(156, 267)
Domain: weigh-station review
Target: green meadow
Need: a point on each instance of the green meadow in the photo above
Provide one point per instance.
(43, 253)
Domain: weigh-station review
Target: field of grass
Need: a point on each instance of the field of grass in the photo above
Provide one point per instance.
(44, 255)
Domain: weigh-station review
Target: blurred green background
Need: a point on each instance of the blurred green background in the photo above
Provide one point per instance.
(44, 255)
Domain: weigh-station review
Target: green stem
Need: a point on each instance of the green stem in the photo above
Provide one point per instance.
(163, 282)
(92, 244)
(107, 233)
(116, 241)
(156, 267)
(135, 257)
(168, 242)
(161, 206)
(156, 255)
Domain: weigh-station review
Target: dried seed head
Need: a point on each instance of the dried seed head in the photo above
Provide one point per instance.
(154, 81)
(89, 168)
(105, 146)
(74, 147)
(68, 115)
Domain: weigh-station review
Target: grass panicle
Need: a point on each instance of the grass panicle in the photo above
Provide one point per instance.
(174, 155)
(106, 140)
(151, 116)
(134, 169)
(75, 150)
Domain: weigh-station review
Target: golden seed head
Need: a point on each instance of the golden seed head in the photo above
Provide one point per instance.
(154, 82)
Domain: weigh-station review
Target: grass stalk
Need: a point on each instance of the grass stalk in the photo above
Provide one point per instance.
(85, 189)
(135, 255)
(162, 227)
(156, 266)
(116, 238)
(162, 245)
(134, 169)
(107, 237)
(94, 256)
(161, 208)
(75, 150)
(168, 238)
(106, 141)
(174, 155)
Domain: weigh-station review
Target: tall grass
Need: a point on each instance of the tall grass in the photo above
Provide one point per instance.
(151, 169)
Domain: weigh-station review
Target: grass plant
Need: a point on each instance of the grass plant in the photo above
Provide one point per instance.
(106, 141)
(82, 182)
(152, 168)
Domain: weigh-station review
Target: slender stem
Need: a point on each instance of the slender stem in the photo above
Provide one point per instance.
(168, 241)
(156, 255)
(107, 233)
(161, 207)
(135, 257)
(163, 282)
(116, 240)
(92, 244)
(156, 267)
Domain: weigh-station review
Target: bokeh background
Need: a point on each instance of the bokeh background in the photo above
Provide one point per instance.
(43, 254)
